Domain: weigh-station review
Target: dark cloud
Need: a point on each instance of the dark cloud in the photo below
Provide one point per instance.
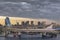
(49, 9)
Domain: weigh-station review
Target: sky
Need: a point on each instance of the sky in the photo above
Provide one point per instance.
(49, 9)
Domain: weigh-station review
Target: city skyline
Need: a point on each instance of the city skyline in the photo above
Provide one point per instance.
(15, 20)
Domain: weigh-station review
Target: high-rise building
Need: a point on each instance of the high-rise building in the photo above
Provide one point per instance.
(7, 21)
(27, 23)
(22, 23)
(32, 23)
(38, 23)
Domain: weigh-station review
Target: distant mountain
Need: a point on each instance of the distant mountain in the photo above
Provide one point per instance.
(49, 9)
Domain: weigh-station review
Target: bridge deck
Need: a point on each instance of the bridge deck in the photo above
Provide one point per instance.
(30, 30)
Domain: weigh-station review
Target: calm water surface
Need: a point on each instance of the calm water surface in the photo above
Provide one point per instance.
(10, 38)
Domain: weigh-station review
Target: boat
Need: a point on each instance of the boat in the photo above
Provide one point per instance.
(37, 36)
(49, 35)
(30, 36)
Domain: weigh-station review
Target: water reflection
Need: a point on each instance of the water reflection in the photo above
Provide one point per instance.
(12, 38)
(28, 39)
(16, 38)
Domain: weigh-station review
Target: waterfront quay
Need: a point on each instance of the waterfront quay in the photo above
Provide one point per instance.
(30, 27)
(30, 30)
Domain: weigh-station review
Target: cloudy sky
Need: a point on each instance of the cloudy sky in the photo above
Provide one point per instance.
(49, 9)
